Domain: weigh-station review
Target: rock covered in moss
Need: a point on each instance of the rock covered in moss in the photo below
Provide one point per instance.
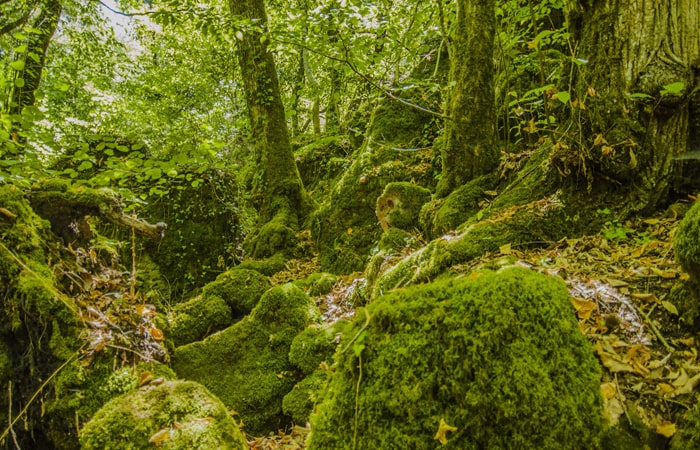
(686, 243)
(319, 283)
(400, 204)
(196, 318)
(267, 266)
(311, 347)
(442, 215)
(176, 415)
(299, 403)
(321, 161)
(497, 355)
(247, 364)
(240, 288)
(689, 436)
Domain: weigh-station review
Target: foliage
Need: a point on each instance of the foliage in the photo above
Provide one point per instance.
(496, 355)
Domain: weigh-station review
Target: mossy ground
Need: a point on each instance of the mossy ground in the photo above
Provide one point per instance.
(176, 415)
(499, 356)
(247, 365)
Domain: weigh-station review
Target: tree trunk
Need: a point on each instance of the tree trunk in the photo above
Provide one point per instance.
(280, 186)
(627, 122)
(23, 92)
(470, 135)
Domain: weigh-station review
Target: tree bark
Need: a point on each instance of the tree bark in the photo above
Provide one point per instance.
(37, 44)
(470, 134)
(280, 186)
(630, 127)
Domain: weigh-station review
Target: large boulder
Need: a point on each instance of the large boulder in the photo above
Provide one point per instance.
(176, 415)
(493, 360)
(247, 365)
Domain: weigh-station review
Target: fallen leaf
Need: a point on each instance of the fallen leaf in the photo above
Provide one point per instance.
(666, 429)
(504, 249)
(609, 390)
(584, 308)
(443, 428)
(670, 307)
(160, 436)
(156, 334)
(145, 377)
(614, 364)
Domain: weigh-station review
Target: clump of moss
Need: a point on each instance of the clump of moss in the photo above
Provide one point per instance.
(400, 204)
(318, 283)
(247, 364)
(689, 435)
(275, 236)
(267, 266)
(240, 288)
(196, 318)
(175, 415)
(497, 355)
(686, 244)
(685, 294)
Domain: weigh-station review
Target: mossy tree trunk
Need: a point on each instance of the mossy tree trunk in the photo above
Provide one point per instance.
(33, 59)
(470, 135)
(632, 126)
(280, 187)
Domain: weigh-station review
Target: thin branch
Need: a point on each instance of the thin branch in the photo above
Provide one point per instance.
(125, 14)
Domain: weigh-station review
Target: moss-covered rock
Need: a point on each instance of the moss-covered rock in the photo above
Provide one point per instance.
(198, 317)
(686, 244)
(318, 283)
(685, 294)
(299, 403)
(311, 347)
(322, 161)
(278, 235)
(266, 266)
(247, 365)
(240, 288)
(497, 355)
(175, 415)
(400, 204)
(445, 214)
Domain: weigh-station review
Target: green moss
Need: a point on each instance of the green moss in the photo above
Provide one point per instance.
(311, 347)
(198, 317)
(689, 435)
(400, 204)
(319, 283)
(686, 244)
(240, 288)
(184, 413)
(268, 266)
(686, 296)
(322, 161)
(498, 355)
(275, 236)
(300, 402)
(442, 215)
(247, 364)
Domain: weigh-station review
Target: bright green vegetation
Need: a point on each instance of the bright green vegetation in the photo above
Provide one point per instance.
(689, 436)
(240, 288)
(497, 355)
(176, 415)
(686, 244)
(321, 162)
(247, 364)
(316, 284)
(196, 318)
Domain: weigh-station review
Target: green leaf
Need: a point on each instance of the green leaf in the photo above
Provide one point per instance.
(17, 65)
(19, 82)
(673, 88)
(85, 165)
(563, 96)
(20, 48)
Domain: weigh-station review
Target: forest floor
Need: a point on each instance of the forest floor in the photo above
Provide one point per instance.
(619, 280)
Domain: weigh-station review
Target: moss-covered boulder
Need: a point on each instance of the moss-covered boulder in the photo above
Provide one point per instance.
(266, 266)
(198, 317)
(240, 288)
(399, 205)
(445, 214)
(176, 415)
(493, 360)
(322, 161)
(312, 347)
(686, 244)
(299, 403)
(247, 365)
(318, 283)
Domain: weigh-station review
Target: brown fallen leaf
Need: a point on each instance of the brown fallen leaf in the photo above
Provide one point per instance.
(584, 308)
